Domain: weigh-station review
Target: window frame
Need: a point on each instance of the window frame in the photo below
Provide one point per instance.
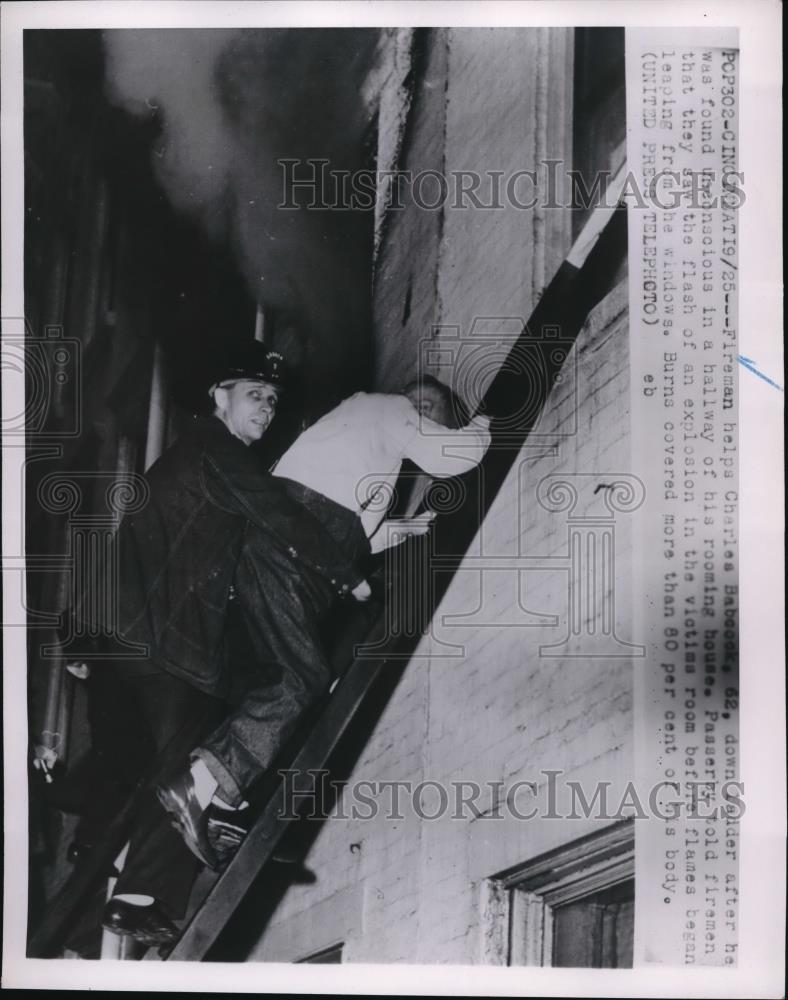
(520, 901)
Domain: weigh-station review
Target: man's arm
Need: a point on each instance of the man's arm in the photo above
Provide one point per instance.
(258, 496)
(397, 530)
(426, 443)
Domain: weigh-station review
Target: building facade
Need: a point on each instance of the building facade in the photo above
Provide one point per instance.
(523, 685)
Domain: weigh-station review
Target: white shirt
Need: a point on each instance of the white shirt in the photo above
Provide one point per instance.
(353, 454)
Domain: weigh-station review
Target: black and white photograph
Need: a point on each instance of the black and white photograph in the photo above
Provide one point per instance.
(392, 498)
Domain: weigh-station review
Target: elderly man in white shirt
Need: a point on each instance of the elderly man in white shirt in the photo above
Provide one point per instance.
(343, 470)
(354, 453)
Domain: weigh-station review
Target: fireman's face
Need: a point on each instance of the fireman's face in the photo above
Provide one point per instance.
(246, 408)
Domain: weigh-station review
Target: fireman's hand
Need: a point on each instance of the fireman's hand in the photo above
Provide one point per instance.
(362, 592)
(397, 530)
(44, 761)
(411, 527)
(79, 670)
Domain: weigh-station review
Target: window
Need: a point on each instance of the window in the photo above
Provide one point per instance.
(572, 907)
(595, 931)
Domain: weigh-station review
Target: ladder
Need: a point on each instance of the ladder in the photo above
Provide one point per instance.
(582, 280)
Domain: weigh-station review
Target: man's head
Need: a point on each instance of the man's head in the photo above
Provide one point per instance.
(246, 391)
(436, 401)
(246, 407)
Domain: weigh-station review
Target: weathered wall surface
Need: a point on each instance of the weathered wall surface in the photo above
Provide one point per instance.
(406, 270)
(482, 700)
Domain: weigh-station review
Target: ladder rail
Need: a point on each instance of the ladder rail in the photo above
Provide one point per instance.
(574, 291)
(570, 296)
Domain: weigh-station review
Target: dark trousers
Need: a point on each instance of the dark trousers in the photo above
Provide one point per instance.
(284, 609)
(278, 669)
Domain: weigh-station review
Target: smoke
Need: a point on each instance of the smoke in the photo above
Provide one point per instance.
(230, 104)
(169, 76)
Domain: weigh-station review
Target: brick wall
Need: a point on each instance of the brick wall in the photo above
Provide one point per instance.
(480, 700)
